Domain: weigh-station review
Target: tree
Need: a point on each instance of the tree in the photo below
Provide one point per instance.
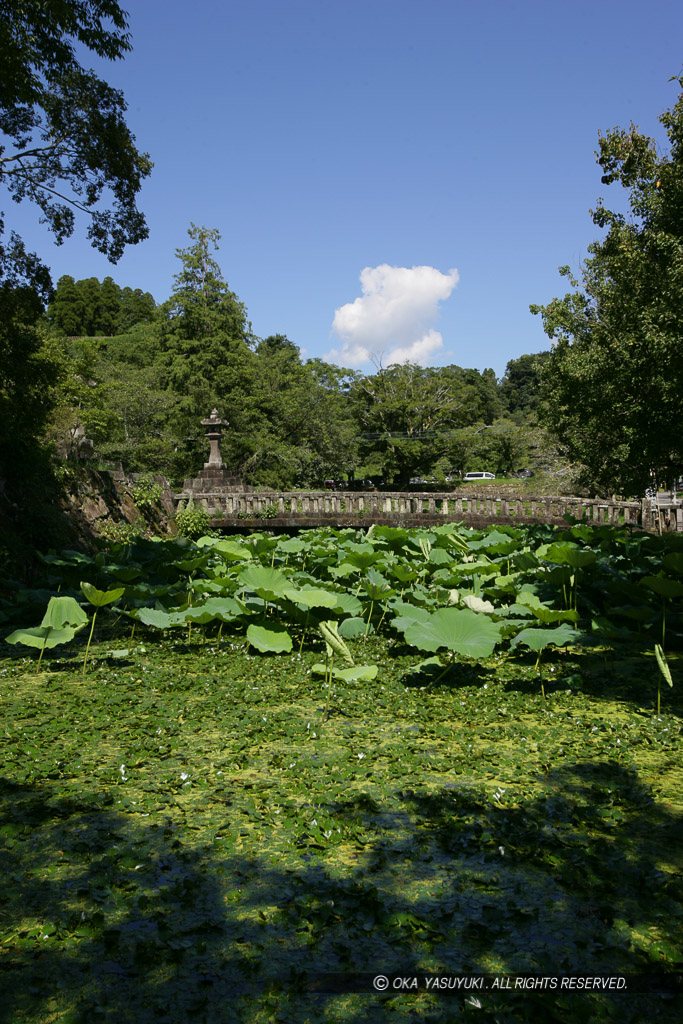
(66, 311)
(613, 385)
(205, 334)
(110, 304)
(135, 307)
(294, 426)
(66, 145)
(91, 294)
(520, 388)
(406, 411)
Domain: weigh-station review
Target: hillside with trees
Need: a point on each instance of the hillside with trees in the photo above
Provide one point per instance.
(141, 393)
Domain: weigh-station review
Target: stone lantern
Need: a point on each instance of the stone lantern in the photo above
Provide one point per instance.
(214, 425)
(215, 478)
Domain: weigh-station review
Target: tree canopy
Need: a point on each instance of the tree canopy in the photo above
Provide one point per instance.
(613, 392)
(65, 143)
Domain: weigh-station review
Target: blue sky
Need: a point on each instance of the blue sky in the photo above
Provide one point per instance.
(325, 138)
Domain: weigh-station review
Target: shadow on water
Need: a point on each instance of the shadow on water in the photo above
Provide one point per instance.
(110, 916)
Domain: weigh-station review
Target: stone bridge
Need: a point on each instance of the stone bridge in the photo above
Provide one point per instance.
(234, 507)
(239, 510)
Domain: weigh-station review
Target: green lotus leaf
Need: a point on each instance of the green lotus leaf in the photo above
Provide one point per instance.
(232, 551)
(394, 536)
(525, 560)
(674, 561)
(408, 614)
(348, 603)
(352, 674)
(541, 611)
(363, 559)
(63, 611)
(462, 631)
(440, 556)
(100, 598)
(663, 664)
(269, 637)
(267, 583)
(376, 587)
(403, 573)
(339, 571)
(312, 597)
(495, 543)
(565, 553)
(158, 618)
(335, 644)
(356, 673)
(663, 586)
(292, 545)
(475, 568)
(42, 636)
(354, 627)
(537, 639)
(190, 565)
(125, 573)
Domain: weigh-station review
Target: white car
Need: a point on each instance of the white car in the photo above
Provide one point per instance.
(479, 476)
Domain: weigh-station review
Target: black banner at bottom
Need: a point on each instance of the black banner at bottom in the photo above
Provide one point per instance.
(474, 984)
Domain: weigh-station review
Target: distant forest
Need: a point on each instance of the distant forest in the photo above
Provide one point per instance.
(139, 376)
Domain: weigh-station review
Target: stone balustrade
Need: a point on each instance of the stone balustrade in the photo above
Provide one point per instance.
(304, 508)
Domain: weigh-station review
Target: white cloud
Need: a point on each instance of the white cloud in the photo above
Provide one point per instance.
(392, 318)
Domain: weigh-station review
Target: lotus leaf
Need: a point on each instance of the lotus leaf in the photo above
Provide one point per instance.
(537, 639)
(353, 627)
(100, 598)
(312, 597)
(267, 583)
(351, 674)
(663, 586)
(541, 611)
(42, 636)
(269, 636)
(462, 631)
(63, 611)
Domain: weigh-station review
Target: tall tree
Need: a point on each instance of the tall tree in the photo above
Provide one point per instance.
(205, 332)
(613, 391)
(110, 304)
(66, 311)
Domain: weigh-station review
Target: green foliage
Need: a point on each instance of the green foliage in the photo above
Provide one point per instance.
(269, 637)
(466, 632)
(146, 492)
(63, 126)
(192, 521)
(63, 618)
(99, 599)
(121, 532)
(613, 393)
(520, 387)
(92, 308)
(179, 814)
(205, 334)
(665, 673)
